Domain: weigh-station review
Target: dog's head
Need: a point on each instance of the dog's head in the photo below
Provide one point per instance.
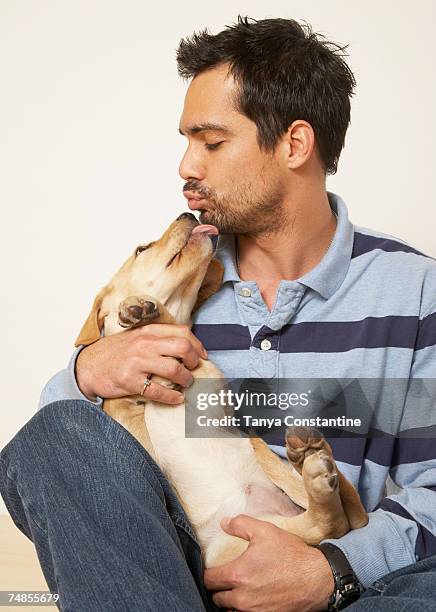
(177, 270)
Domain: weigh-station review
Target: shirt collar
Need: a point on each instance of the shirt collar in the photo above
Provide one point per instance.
(327, 276)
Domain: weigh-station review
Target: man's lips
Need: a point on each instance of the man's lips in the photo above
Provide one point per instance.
(194, 199)
(195, 204)
(192, 195)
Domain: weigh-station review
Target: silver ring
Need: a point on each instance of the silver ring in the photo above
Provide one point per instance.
(147, 382)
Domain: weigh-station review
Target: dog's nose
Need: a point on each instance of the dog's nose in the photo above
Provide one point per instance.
(186, 215)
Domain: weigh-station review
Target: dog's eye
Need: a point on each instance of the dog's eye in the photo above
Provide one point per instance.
(142, 247)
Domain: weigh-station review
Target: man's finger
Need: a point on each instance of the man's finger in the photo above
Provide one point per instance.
(227, 600)
(167, 367)
(224, 576)
(243, 526)
(182, 331)
(158, 393)
(181, 348)
(220, 578)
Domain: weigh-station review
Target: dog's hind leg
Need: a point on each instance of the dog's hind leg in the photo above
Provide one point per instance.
(283, 475)
(324, 517)
(302, 442)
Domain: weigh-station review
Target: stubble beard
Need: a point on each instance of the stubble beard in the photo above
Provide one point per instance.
(245, 213)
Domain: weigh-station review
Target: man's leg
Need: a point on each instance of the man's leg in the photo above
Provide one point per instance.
(407, 589)
(108, 529)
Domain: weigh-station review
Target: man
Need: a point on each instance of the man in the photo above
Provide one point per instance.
(305, 294)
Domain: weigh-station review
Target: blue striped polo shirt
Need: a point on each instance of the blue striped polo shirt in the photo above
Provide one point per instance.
(366, 310)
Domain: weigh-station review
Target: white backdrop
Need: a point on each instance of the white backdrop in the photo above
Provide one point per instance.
(89, 150)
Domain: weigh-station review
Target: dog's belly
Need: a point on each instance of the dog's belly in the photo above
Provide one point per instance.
(262, 500)
(214, 478)
(257, 499)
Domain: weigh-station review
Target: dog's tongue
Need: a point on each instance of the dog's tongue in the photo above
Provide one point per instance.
(205, 229)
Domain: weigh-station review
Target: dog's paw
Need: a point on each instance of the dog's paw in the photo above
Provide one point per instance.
(321, 474)
(301, 442)
(135, 311)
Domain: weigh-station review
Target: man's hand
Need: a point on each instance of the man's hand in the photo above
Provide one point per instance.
(117, 365)
(278, 572)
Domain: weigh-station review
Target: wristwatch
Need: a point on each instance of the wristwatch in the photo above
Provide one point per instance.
(347, 586)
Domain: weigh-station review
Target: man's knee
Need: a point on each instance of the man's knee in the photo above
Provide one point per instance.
(74, 439)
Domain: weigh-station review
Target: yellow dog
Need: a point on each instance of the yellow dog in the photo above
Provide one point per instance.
(165, 281)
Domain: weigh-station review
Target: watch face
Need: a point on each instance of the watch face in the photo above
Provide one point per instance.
(348, 599)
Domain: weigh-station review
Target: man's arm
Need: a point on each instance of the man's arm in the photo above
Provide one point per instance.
(402, 528)
(63, 385)
(392, 539)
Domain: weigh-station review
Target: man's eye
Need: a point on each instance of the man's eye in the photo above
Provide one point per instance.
(141, 248)
(212, 147)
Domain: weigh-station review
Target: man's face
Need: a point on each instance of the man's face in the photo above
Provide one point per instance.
(241, 187)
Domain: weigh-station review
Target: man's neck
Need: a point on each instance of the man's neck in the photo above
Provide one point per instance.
(292, 252)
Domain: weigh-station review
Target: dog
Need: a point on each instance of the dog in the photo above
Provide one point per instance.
(165, 281)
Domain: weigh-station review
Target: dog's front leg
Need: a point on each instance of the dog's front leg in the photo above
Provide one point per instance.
(139, 310)
(136, 311)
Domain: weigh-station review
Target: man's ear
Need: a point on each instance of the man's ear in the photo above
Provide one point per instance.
(92, 327)
(211, 283)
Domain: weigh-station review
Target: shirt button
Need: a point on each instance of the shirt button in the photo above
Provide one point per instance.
(265, 345)
(246, 292)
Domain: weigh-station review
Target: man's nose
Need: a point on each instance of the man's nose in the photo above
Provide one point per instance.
(191, 166)
(186, 215)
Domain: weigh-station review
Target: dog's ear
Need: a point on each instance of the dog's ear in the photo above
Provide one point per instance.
(91, 329)
(211, 283)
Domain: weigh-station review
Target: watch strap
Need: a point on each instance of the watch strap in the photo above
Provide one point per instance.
(347, 586)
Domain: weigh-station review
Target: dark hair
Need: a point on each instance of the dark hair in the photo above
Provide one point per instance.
(285, 71)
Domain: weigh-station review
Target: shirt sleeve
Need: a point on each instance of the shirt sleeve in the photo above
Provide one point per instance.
(395, 535)
(63, 386)
(402, 527)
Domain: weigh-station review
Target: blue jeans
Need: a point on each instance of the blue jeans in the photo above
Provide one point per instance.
(109, 531)
(410, 589)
